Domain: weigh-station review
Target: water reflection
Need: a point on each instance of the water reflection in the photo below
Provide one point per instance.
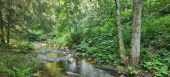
(87, 70)
(51, 70)
(70, 68)
(71, 65)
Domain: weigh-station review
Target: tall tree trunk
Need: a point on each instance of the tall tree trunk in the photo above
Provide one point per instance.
(8, 34)
(2, 39)
(119, 28)
(136, 34)
(9, 19)
(2, 34)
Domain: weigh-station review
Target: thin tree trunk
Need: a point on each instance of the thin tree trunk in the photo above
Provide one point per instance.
(2, 39)
(2, 34)
(10, 10)
(119, 28)
(8, 34)
(136, 34)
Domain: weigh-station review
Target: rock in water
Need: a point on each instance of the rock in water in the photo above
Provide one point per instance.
(122, 76)
(72, 73)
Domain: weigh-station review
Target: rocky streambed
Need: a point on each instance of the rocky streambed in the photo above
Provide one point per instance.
(57, 63)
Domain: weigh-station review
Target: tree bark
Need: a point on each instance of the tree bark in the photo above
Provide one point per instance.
(2, 34)
(136, 32)
(9, 19)
(119, 28)
(8, 34)
(2, 39)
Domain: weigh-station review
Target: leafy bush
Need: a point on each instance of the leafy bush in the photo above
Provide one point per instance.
(133, 70)
(156, 62)
(159, 34)
(156, 67)
(17, 65)
(101, 43)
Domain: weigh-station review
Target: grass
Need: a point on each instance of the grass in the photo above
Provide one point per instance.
(15, 63)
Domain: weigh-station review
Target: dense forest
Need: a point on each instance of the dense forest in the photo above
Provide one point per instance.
(129, 37)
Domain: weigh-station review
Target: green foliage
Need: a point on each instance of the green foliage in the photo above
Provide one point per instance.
(121, 69)
(100, 43)
(17, 65)
(156, 62)
(133, 70)
(127, 16)
(160, 68)
(86, 26)
(84, 47)
(159, 33)
(22, 72)
(22, 46)
(16, 72)
(8, 71)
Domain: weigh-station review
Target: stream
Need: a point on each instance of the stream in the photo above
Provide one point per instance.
(56, 63)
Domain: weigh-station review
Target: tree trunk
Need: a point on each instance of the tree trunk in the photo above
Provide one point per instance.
(8, 34)
(2, 39)
(119, 28)
(136, 34)
(9, 25)
(2, 34)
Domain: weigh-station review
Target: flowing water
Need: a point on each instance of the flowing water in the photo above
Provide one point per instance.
(58, 64)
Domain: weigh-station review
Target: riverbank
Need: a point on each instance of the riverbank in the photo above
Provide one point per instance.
(17, 62)
(20, 62)
(23, 61)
